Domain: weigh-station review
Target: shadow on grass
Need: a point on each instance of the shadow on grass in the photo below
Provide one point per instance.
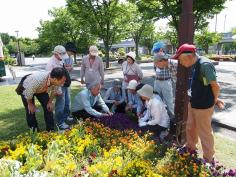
(14, 123)
(12, 113)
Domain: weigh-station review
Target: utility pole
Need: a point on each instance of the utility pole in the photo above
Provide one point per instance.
(216, 24)
(18, 49)
(186, 32)
(224, 22)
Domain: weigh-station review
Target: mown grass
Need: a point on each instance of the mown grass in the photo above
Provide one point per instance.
(12, 113)
(13, 123)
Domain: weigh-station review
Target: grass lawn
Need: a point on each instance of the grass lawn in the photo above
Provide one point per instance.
(12, 113)
(13, 122)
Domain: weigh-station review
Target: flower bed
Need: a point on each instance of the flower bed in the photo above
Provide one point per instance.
(91, 149)
(223, 58)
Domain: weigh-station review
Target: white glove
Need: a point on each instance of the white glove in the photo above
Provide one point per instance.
(142, 124)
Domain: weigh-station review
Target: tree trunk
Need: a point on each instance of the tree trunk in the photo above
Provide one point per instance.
(185, 35)
(207, 49)
(136, 41)
(107, 54)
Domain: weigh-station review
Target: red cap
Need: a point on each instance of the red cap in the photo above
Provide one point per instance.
(183, 49)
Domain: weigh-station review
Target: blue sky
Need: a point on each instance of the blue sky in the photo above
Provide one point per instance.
(24, 16)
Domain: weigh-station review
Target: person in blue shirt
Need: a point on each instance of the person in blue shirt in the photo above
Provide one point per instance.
(114, 98)
(135, 104)
(89, 103)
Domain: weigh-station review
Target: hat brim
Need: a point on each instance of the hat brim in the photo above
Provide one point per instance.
(131, 88)
(65, 56)
(176, 56)
(130, 57)
(94, 53)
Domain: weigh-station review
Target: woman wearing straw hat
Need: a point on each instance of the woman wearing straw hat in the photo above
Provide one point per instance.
(155, 118)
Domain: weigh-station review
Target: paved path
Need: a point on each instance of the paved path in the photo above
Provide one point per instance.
(226, 72)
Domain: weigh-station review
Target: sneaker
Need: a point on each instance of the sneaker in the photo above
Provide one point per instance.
(64, 126)
(69, 118)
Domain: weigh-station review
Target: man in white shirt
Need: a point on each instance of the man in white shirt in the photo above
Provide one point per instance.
(156, 118)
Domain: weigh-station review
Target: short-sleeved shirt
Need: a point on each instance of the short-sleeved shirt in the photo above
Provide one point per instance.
(208, 73)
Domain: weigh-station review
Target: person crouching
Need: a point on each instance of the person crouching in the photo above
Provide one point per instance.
(114, 98)
(155, 118)
(89, 103)
(135, 104)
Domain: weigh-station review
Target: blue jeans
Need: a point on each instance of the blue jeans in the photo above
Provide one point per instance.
(165, 90)
(62, 106)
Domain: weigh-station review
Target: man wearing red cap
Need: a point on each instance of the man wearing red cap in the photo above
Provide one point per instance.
(204, 92)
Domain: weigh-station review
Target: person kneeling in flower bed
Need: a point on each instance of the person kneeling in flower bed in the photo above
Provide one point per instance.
(114, 98)
(155, 118)
(89, 103)
(135, 104)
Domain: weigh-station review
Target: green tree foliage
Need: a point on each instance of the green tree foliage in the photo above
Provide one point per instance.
(205, 38)
(27, 45)
(171, 36)
(106, 19)
(5, 38)
(139, 25)
(203, 10)
(150, 37)
(61, 29)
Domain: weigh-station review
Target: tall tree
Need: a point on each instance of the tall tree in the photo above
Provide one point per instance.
(63, 28)
(171, 9)
(149, 37)
(105, 18)
(139, 25)
(5, 38)
(205, 38)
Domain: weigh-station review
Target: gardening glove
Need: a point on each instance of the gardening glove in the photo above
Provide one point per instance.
(142, 124)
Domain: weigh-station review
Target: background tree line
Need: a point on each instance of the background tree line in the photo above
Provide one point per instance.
(87, 22)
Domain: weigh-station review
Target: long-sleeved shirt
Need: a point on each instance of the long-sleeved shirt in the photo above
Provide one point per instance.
(38, 83)
(135, 101)
(111, 96)
(92, 71)
(156, 112)
(84, 100)
(133, 69)
(53, 63)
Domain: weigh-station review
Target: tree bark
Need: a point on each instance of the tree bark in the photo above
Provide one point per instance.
(185, 35)
(107, 49)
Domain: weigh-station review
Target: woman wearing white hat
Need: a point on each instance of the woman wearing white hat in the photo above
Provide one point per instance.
(156, 118)
(135, 104)
(131, 71)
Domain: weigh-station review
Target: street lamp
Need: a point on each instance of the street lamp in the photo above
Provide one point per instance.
(18, 50)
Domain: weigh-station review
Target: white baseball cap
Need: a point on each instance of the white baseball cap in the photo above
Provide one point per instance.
(59, 49)
(146, 91)
(93, 50)
(132, 84)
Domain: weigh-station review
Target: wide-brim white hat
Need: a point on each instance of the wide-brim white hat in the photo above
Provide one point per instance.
(132, 84)
(146, 91)
(131, 55)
